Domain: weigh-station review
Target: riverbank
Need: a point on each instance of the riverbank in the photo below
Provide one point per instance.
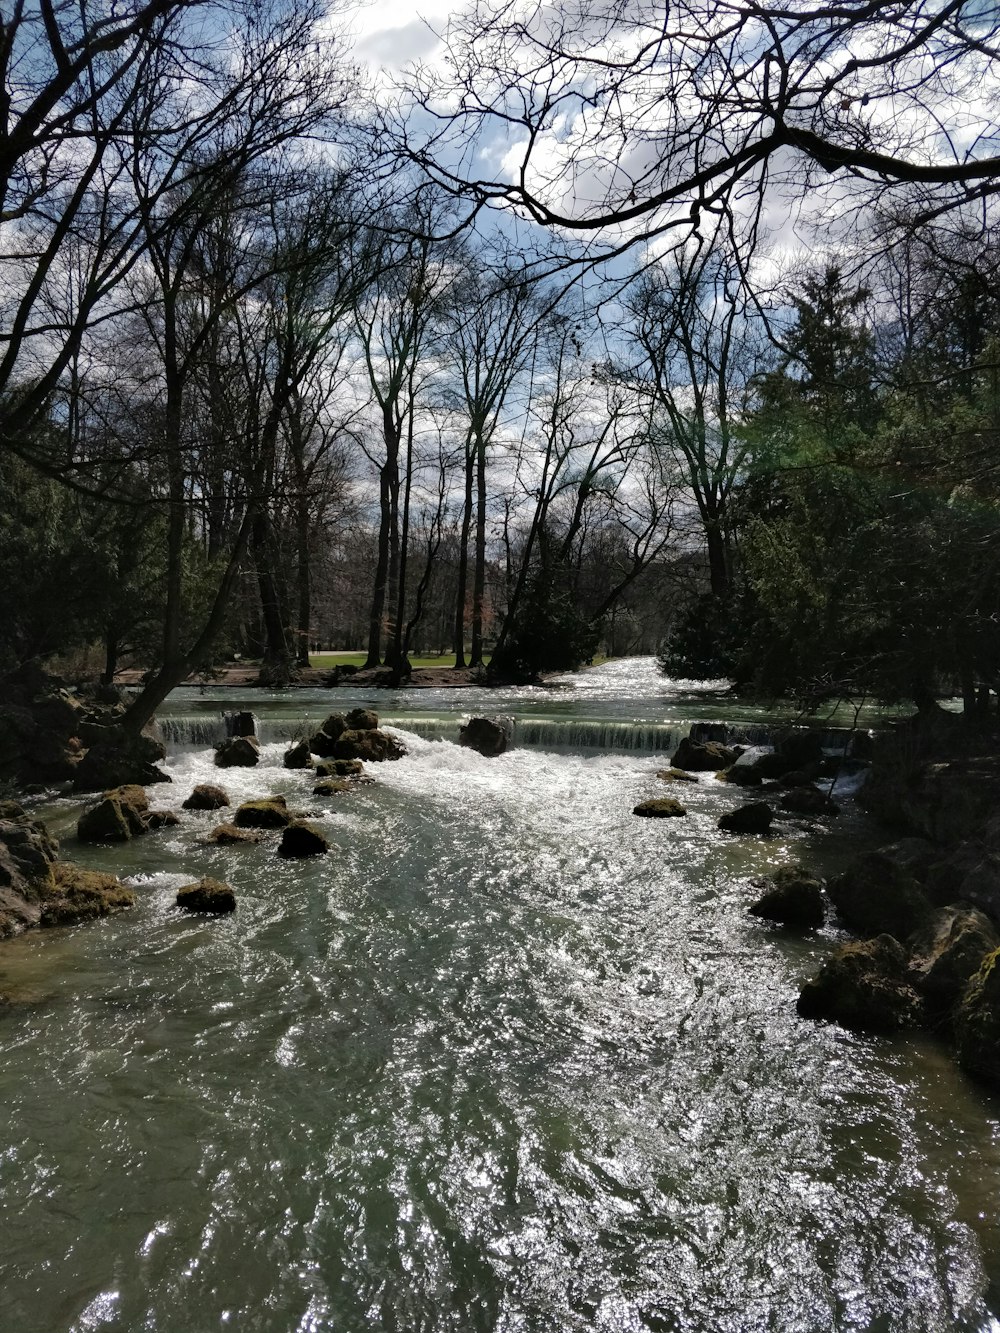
(236, 676)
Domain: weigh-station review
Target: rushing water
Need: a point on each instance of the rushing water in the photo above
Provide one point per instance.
(507, 1059)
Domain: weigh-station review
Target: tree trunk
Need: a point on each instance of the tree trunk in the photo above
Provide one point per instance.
(463, 560)
(479, 581)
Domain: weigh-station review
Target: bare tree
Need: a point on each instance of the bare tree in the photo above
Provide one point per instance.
(647, 115)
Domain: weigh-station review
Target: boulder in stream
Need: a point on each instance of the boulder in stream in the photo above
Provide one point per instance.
(82, 895)
(301, 839)
(267, 812)
(865, 987)
(206, 796)
(877, 894)
(793, 897)
(808, 800)
(659, 807)
(299, 756)
(369, 746)
(121, 814)
(209, 896)
(333, 786)
(340, 768)
(488, 736)
(948, 951)
(703, 756)
(227, 835)
(675, 775)
(753, 818)
(237, 752)
(325, 738)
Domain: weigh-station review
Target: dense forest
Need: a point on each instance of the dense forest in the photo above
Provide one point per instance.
(710, 368)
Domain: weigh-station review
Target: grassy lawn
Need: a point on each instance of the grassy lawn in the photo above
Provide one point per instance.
(327, 660)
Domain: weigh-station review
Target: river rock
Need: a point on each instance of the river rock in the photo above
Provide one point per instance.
(753, 818)
(301, 839)
(206, 796)
(361, 719)
(703, 756)
(268, 812)
(323, 741)
(369, 746)
(82, 895)
(489, 736)
(120, 759)
(977, 1022)
(864, 987)
(227, 835)
(793, 897)
(208, 896)
(299, 756)
(27, 856)
(675, 775)
(659, 807)
(948, 951)
(340, 768)
(877, 894)
(238, 752)
(333, 786)
(157, 819)
(808, 801)
(121, 814)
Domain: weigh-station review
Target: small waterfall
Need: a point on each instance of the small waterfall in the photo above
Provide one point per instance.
(202, 731)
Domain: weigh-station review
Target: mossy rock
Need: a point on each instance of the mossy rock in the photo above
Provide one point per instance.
(877, 895)
(333, 786)
(366, 744)
(660, 807)
(301, 840)
(324, 740)
(209, 896)
(206, 796)
(227, 835)
(362, 719)
(270, 812)
(864, 987)
(675, 775)
(948, 952)
(108, 821)
(793, 897)
(753, 818)
(977, 1022)
(81, 895)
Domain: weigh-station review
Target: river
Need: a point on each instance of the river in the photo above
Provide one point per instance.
(507, 1059)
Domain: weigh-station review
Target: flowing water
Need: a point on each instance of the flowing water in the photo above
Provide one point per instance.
(508, 1059)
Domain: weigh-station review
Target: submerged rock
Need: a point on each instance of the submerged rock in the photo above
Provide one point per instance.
(488, 736)
(659, 807)
(238, 752)
(793, 897)
(208, 895)
(228, 834)
(753, 818)
(269, 812)
(206, 796)
(340, 768)
(865, 987)
(301, 839)
(703, 756)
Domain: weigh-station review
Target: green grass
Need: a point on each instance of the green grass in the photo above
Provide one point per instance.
(328, 660)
